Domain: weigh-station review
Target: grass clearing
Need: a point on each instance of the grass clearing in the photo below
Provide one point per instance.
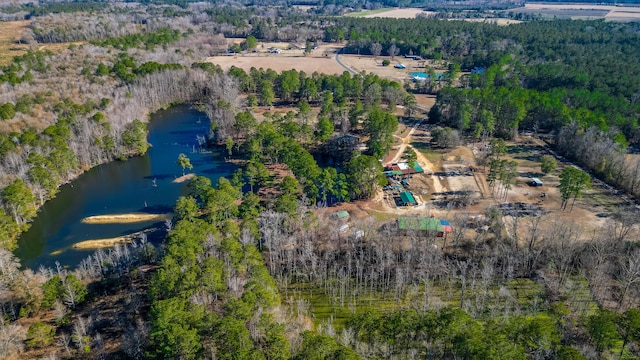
(518, 296)
(382, 216)
(10, 34)
(426, 149)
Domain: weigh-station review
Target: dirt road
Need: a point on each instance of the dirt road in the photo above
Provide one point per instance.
(405, 142)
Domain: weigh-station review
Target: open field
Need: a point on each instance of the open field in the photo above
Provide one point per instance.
(404, 13)
(583, 11)
(410, 13)
(124, 218)
(10, 33)
(321, 59)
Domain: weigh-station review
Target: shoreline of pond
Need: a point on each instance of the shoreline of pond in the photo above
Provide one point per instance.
(38, 240)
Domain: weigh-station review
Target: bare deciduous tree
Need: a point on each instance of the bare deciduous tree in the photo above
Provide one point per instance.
(9, 268)
(376, 49)
(12, 337)
(629, 277)
(393, 50)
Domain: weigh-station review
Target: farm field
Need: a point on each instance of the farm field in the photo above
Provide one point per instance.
(410, 13)
(322, 59)
(404, 13)
(583, 11)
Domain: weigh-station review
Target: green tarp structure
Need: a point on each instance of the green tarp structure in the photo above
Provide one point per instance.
(417, 167)
(342, 214)
(407, 198)
(419, 223)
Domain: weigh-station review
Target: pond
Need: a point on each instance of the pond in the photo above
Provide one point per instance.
(140, 184)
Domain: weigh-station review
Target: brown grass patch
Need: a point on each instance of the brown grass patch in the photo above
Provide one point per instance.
(101, 243)
(321, 59)
(406, 13)
(426, 100)
(10, 34)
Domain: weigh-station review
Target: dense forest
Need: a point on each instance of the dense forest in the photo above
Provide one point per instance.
(246, 260)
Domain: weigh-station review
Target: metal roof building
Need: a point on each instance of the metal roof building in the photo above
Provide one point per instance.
(407, 198)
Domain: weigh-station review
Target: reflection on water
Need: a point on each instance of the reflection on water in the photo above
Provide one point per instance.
(139, 184)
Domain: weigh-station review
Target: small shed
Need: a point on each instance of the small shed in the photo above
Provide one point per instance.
(342, 214)
(407, 198)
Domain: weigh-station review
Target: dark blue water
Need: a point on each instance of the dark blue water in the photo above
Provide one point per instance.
(121, 187)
